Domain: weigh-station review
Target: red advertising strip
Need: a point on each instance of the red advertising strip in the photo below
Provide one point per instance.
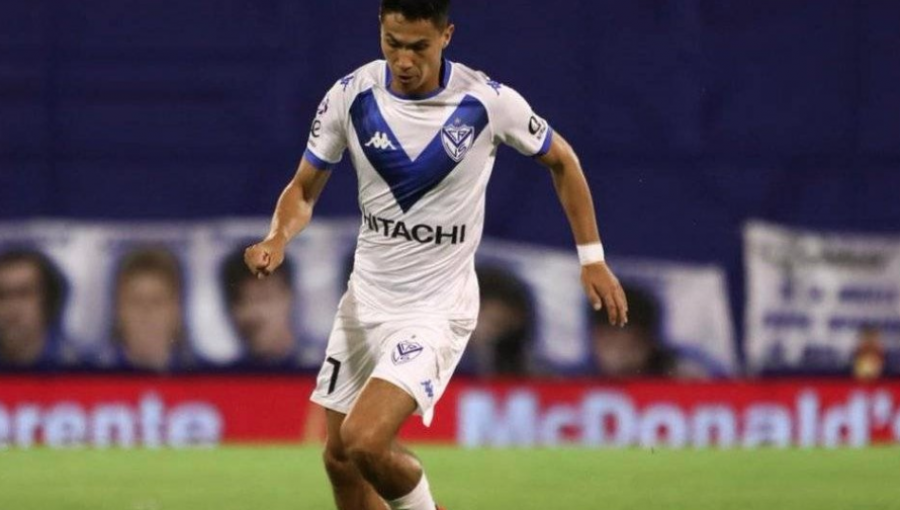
(190, 411)
(138, 411)
(804, 413)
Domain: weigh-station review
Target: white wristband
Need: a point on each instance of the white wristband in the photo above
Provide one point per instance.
(590, 253)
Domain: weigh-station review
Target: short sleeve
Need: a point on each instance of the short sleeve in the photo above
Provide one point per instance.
(516, 124)
(328, 135)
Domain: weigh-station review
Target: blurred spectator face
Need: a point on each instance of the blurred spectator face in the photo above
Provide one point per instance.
(23, 324)
(621, 352)
(497, 319)
(634, 350)
(148, 310)
(501, 339)
(261, 312)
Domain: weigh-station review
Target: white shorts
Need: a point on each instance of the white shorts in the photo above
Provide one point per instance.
(416, 355)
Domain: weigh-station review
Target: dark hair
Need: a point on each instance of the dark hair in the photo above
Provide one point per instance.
(234, 272)
(643, 311)
(159, 261)
(436, 11)
(500, 284)
(53, 284)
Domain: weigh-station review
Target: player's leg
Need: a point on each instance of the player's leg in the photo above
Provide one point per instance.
(350, 358)
(369, 435)
(351, 490)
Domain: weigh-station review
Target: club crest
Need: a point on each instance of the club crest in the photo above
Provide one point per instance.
(457, 138)
(406, 351)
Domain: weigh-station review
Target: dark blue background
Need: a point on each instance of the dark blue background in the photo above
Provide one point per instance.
(690, 116)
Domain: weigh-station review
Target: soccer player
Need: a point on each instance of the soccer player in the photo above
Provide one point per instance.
(422, 133)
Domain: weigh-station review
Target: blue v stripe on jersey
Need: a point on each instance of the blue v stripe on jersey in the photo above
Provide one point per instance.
(409, 179)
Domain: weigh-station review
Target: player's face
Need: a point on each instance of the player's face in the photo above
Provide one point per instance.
(22, 321)
(149, 318)
(413, 51)
(262, 316)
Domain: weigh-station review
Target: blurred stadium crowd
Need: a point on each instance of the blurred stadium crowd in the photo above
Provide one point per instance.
(148, 331)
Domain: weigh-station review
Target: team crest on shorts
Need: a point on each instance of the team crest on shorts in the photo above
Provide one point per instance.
(457, 138)
(406, 351)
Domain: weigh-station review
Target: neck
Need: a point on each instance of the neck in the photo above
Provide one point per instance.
(148, 362)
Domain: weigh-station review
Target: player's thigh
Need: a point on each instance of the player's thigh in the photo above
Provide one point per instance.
(377, 415)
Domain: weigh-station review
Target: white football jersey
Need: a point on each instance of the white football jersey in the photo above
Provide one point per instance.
(423, 165)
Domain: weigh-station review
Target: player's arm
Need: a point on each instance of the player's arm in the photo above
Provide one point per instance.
(600, 284)
(292, 214)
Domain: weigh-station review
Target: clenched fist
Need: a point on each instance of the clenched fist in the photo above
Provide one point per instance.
(264, 257)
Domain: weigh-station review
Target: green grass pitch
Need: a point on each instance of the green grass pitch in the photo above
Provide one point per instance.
(283, 478)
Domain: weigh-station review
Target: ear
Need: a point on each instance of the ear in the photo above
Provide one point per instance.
(448, 34)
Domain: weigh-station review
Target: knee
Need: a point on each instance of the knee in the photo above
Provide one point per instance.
(363, 446)
(338, 465)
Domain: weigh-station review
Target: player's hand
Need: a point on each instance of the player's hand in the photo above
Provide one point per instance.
(263, 258)
(603, 289)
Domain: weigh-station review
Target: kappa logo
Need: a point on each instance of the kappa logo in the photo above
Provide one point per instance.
(345, 81)
(457, 139)
(380, 141)
(406, 350)
(494, 84)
